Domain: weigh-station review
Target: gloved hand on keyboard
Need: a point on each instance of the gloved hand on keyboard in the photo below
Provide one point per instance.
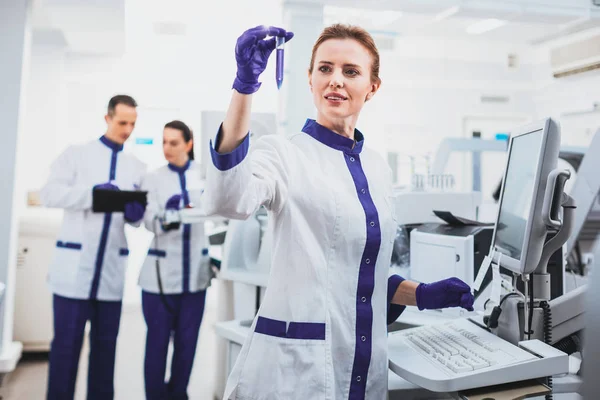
(106, 186)
(451, 292)
(134, 211)
(252, 54)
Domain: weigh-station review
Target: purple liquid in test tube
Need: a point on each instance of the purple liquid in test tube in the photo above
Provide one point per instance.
(280, 41)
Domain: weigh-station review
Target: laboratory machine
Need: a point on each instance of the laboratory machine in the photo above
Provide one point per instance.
(518, 337)
(433, 356)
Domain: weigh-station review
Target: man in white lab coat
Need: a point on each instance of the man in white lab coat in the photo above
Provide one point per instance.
(87, 272)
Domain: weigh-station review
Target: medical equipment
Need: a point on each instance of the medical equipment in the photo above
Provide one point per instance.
(461, 355)
(280, 43)
(188, 215)
(591, 371)
(440, 251)
(520, 228)
(586, 226)
(475, 146)
(532, 193)
(417, 207)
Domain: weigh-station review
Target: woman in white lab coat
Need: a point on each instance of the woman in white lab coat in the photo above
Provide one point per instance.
(176, 272)
(321, 331)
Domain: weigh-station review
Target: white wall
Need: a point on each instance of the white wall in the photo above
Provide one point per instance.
(431, 86)
(568, 100)
(170, 76)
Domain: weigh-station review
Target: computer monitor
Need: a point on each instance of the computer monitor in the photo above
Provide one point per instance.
(520, 231)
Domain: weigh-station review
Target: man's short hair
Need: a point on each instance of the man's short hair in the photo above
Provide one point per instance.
(120, 99)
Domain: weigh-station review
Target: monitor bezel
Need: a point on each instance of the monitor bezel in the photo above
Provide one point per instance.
(504, 260)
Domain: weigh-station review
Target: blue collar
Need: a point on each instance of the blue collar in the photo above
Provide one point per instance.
(110, 144)
(180, 170)
(332, 139)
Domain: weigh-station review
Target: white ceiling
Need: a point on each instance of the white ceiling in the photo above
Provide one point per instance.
(98, 26)
(529, 21)
(85, 26)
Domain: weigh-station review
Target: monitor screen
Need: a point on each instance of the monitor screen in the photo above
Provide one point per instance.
(518, 194)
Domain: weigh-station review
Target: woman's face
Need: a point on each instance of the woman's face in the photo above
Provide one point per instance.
(175, 147)
(341, 78)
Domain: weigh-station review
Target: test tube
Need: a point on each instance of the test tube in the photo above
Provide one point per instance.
(280, 42)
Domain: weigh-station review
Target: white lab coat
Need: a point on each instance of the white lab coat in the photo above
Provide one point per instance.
(321, 331)
(91, 254)
(183, 257)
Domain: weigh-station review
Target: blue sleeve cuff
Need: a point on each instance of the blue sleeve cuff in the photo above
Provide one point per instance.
(394, 310)
(225, 161)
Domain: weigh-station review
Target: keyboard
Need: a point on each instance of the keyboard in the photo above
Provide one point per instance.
(459, 355)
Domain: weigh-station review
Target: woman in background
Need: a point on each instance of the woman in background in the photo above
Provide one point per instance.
(176, 272)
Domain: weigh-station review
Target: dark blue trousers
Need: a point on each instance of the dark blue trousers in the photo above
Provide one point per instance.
(70, 317)
(182, 323)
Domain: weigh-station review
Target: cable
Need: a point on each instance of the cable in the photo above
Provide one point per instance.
(547, 337)
(157, 266)
(491, 320)
(580, 265)
(511, 294)
(530, 316)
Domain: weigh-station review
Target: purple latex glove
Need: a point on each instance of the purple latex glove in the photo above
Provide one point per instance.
(451, 292)
(134, 211)
(252, 54)
(106, 186)
(174, 202)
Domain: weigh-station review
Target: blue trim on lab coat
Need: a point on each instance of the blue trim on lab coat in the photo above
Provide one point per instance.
(107, 220)
(110, 144)
(225, 161)
(68, 245)
(393, 310)
(179, 170)
(157, 253)
(331, 139)
(187, 229)
(366, 279)
(295, 330)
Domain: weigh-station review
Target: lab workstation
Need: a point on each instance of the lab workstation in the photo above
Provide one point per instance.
(300, 199)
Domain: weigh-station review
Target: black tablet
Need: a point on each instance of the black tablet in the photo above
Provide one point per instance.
(114, 200)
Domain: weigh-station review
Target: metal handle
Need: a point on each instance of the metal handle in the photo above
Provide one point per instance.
(553, 197)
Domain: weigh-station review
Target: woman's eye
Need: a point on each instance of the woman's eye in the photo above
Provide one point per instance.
(352, 72)
(324, 68)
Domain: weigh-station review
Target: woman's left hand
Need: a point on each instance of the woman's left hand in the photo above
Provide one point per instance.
(451, 292)
(174, 202)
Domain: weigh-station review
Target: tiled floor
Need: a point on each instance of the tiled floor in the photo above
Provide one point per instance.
(28, 381)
